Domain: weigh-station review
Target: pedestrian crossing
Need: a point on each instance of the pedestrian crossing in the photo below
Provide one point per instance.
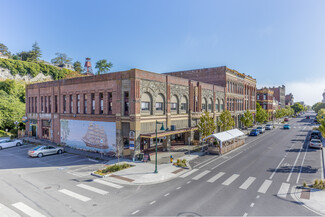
(261, 186)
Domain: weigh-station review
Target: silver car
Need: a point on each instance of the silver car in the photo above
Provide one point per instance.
(6, 143)
(268, 127)
(43, 150)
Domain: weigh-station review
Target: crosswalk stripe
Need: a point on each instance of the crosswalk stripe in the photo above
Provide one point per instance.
(214, 178)
(266, 184)
(230, 179)
(5, 211)
(27, 210)
(90, 188)
(247, 183)
(188, 173)
(201, 175)
(283, 190)
(75, 195)
(108, 183)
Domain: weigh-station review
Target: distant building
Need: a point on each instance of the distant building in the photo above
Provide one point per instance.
(323, 101)
(66, 66)
(279, 94)
(2, 56)
(289, 99)
(302, 103)
(268, 102)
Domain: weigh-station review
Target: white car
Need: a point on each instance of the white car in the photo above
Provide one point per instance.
(315, 143)
(6, 143)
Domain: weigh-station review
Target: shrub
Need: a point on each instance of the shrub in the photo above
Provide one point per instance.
(113, 168)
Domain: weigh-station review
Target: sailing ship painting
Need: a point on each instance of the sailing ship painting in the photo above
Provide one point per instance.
(96, 137)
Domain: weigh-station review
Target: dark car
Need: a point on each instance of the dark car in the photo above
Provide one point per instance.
(286, 119)
(315, 134)
(254, 132)
(307, 117)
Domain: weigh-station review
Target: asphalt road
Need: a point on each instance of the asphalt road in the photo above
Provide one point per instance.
(253, 180)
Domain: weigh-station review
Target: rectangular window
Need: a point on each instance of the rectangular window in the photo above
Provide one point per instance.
(35, 103)
(145, 106)
(159, 106)
(42, 106)
(85, 103)
(55, 104)
(92, 103)
(29, 105)
(50, 104)
(264, 96)
(203, 106)
(126, 103)
(184, 106)
(32, 104)
(78, 104)
(71, 104)
(101, 103)
(45, 103)
(64, 104)
(109, 101)
(210, 107)
(173, 106)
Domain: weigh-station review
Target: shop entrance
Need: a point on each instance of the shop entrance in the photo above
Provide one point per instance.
(33, 130)
(46, 126)
(177, 139)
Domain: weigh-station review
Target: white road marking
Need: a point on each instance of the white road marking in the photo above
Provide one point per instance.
(214, 178)
(294, 165)
(6, 212)
(188, 173)
(152, 202)
(178, 188)
(276, 168)
(258, 196)
(302, 164)
(27, 210)
(93, 160)
(322, 152)
(283, 190)
(266, 184)
(245, 214)
(166, 194)
(227, 159)
(108, 183)
(247, 183)
(90, 188)
(188, 182)
(135, 212)
(230, 179)
(252, 204)
(75, 195)
(197, 177)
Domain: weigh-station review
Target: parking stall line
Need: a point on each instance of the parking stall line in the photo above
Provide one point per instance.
(93, 189)
(75, 195)
(214, 178)
(201, 175)
(5, 211)
(247, 183)
(27, 210)
(266, 184)
(283, 190)
(188, 173)
(230, 179)
(108, 183)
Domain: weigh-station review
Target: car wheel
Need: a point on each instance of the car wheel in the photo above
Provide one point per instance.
(40, 155)
(18, 144)
(60, 151)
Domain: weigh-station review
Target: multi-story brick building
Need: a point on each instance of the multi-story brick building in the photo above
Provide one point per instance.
(279, 94)
(97, 112)
(240, 89)
(267, 101)
(289, 99)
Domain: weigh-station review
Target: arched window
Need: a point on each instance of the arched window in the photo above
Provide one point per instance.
(146, 103)
(160, 104)
(222, 107)
(210, 103)
(204, 104)
(184, 104)
(174, 104)
(217, 105)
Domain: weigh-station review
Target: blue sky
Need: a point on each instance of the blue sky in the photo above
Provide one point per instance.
(276, 42)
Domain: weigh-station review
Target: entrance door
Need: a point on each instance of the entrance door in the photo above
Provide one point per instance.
(45, 133)
(33, 130)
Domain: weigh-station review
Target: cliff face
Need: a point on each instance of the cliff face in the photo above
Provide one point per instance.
(5, 74)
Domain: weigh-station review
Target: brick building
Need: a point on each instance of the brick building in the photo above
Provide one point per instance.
(267, 101)
(240, 89)
(289, 100)
(279, 94)
(97, 112)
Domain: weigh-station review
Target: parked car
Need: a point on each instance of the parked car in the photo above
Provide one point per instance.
(286, 119)
(43, 150)
(315, 143)
(286, 126)
(6, 143)
(261, 129)
(315, 134)
(307, 117)
(269, 127)
(254, 132)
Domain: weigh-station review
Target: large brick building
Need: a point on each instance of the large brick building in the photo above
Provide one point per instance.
(97, 112)
(267, 101)
(289, 100)
(240, 89)
(279, 94)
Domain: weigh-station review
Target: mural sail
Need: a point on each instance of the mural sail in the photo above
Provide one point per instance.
(96, 137)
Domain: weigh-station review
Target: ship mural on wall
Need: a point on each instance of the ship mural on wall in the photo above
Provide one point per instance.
(95, 136)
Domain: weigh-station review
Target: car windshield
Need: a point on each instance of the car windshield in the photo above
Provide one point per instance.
(268, 125)
(37, 148)
(253, 131)
(315, 140)
(259, 128)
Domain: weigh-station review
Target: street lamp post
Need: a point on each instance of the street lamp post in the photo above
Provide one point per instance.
(162, 128)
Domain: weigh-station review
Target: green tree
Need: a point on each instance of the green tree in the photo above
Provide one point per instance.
(297, 107)
(226, 122)
(36, 52)
(77, 66)
(61, 58)
(206, 125)
(4, 50)
(320, 115)
(319, 106)
(322, 127)
(247, 119)
(261, 114)
(24, 55)
(103, 66)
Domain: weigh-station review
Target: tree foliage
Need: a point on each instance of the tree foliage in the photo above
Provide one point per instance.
(322, 126)
(261, 114)
(247, 119)
(297, 107)
(206, 125)
(103, 66)
(320, 115)
(4, 50)
(226, 122)
(318, 106)
(77, 66)
(61, 58)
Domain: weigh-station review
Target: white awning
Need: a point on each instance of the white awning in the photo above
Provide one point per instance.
(236, 132)
(226, 135)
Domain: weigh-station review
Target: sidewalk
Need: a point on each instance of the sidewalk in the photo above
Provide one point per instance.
(143, 173)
